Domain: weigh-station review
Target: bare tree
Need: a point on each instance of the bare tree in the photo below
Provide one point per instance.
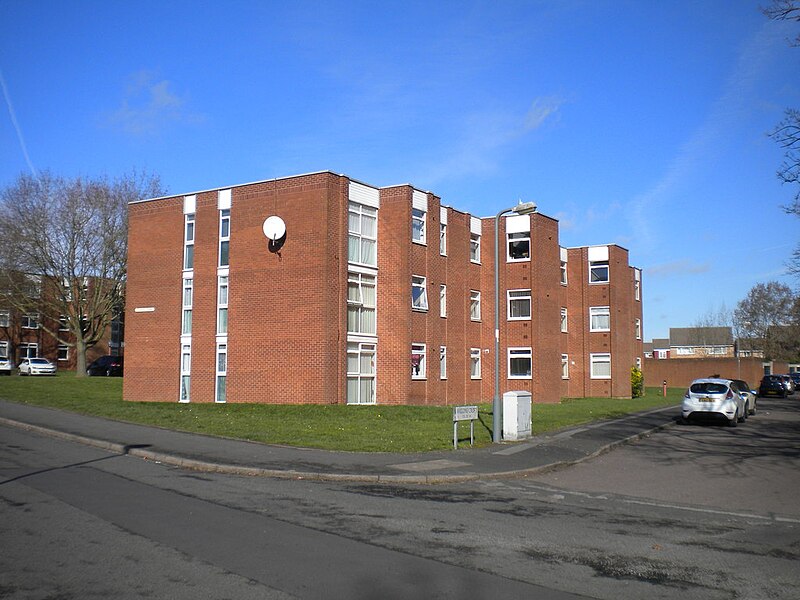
(770, 313)
(784, 10)
(65, 251)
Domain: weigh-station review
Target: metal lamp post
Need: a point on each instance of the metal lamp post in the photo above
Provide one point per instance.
(523, 208)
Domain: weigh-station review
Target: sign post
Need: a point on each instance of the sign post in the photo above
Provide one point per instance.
(464, 413)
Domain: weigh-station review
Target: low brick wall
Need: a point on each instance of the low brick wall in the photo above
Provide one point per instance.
(679, 372)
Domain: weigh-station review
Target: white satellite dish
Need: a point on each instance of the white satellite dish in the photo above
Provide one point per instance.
(274, 228)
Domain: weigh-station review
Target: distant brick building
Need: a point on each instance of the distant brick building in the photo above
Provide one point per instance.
(372, 295)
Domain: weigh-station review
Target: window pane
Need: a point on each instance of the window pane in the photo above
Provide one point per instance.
(367, 390)
(221, 384)
(353, 249)
(222, 324)
(366, 366)
(368, 226)
(185, 387)
(368, 292)
(352, 363)
(222, 362)
(189, 258)
(368, 320)
(520, 367)
(223, 253)
(368, 255)
(353, 292)
(187, 322)
(353, 319)
(354, 222)
(352, 390)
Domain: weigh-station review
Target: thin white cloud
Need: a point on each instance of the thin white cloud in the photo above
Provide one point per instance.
(541, 110)
(677, 268)
(17, 128)
(149, 106)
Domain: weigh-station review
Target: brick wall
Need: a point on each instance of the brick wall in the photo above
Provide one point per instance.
(680, 372)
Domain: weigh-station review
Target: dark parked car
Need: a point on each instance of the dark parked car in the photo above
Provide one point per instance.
(110, 366)
(772, 385)
(796, 378)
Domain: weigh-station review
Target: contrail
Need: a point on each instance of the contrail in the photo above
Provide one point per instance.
(16, 125)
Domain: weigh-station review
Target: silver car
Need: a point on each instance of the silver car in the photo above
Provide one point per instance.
(36, 366)
(749, 394)
(5, 366)
(714, 398)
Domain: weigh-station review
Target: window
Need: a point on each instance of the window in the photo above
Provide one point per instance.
(475, 363)
(222, 372)
(361, 303)
(30, 321)
(224, 237)
(188, 290)
(598, 271)
(363, 232)
(3, 349)
(520, 363)
(442, 362)
(519, 305)
(637, 327)
(188, 242)
(418, 225)
(33, 286)
(599, 318)
(637, 284)
(29, 350)
(63, 352)
(639, 362)
(684, 350)
(419, 295)
(600, 365)
(417, 361)
(564, 366)
(63, 324)
(475, 305)
(222, 305)
(186, 366)
(360, 373)
(443, 239)
(563, 272)
(662, 354)
(5, 318)
(564, 321)
(443, 300)
(519, 246)
(475, 247)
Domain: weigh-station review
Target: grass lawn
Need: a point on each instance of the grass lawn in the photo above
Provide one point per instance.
(355, 428)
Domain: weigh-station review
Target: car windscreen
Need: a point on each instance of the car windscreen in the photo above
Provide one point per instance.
(39, 361)
(708, 387)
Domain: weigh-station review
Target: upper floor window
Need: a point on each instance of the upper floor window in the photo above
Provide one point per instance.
(188, 292)
(475, 305)
(564, 320)
(519, 246)
(443, 300)
(443, 239)
(417, 361)
(63, 324)
(363, 233)
(563, 272)
(222, 305)
(224, 237)
(598, 271)
(5, 318)
(637, 325)
(418, 225)
(361, 299)
(419, 294)
(564, 366)
(519, 305)
(188, 242)
(637, 284)
(475, 363)
(30, 321)
(599, 318)
(475, 247)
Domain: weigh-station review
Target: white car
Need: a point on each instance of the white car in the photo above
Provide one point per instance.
(5, 366)
(36, 366)
(714, 398)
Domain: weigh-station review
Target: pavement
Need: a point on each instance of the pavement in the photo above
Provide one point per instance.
(537, 454)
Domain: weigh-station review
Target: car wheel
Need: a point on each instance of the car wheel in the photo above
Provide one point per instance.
(743, 417)
(755, 408)
(735, 420)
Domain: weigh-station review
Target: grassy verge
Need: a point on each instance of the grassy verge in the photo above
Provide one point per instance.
(354, 428)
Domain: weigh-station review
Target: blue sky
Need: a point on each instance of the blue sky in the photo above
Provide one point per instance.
(641, 123)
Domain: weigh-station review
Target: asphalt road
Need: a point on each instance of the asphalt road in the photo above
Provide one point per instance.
(690, 512)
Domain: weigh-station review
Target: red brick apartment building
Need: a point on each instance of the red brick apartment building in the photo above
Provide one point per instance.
(366, 295)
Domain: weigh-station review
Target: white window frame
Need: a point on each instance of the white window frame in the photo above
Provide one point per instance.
(516, 238)
(185, 391)
(30, 321)
(187, 297)
(223, 294)
(28, 347)
(475, 248)
(63, 323)
(224, 238)
(443, 301)
(65, 349)
(356, 352)
(442, 362)
(518, 296)
(419, 282)
(637, 285)
(3, 349)
(520, 353)
(599, 359)
(639, 362)
(474, 363)
(564, 320)
(637, 328)
(221, 373)
(596, 267)
(564, 279)
(5, 318)
(595, 314)
(420, 350)
(443, 239)
(189, 231)
(565, 366)
(358, 305)
(418, 226)
(474, 305)
(364, 243)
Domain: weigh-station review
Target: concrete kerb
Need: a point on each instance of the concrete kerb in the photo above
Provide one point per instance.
(228, 469)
